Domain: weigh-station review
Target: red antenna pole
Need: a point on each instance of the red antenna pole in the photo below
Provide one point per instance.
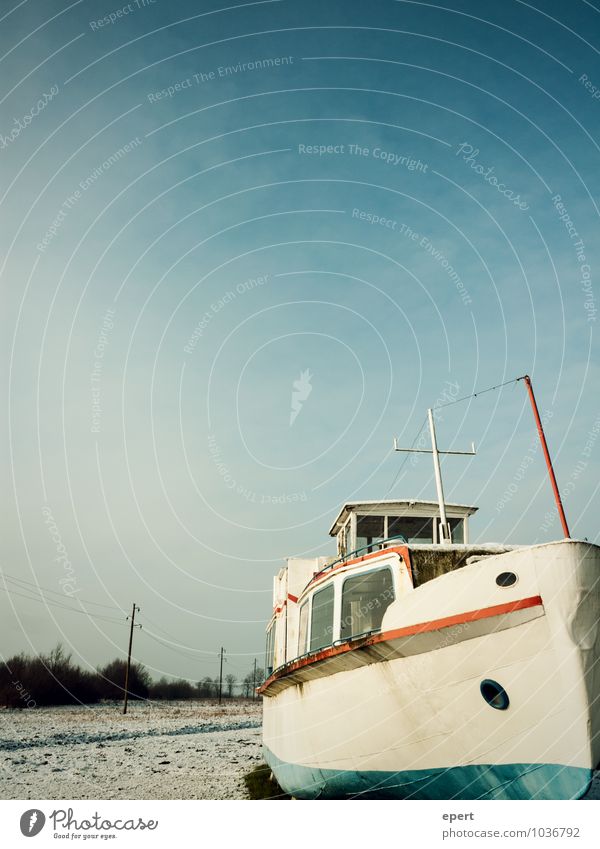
(538, 421)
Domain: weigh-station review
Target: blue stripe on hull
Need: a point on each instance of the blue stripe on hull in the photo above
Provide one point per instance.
(481, 781)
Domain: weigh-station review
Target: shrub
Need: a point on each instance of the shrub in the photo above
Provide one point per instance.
(112, 680)
(46, 680)
(180, 689)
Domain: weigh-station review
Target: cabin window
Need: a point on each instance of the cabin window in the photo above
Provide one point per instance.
(303, 629)
(412, 528)
(369, 531)
(321, 623)
(365, 598)
(270, 650)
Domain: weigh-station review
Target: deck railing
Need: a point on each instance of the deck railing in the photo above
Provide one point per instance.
(374, 546)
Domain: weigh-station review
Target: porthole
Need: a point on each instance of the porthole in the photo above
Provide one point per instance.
(494, 694)
(506, 579)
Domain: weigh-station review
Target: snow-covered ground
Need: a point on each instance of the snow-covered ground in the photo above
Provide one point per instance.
(169, 750)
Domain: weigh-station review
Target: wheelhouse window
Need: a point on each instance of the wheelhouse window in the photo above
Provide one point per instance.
(321, 623)
(457, 529)
(303, 629)
(365, 598)
(270, 649)
(412, 528)
(369, 531)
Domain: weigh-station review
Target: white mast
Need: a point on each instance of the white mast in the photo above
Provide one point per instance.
(444, 534)
(444, 527)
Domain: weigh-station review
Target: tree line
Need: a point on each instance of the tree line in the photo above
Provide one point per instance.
(54, 679)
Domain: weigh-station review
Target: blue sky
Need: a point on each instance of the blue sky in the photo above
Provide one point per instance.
(200, 205)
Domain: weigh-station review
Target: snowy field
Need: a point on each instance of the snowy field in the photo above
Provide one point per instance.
(170, 750)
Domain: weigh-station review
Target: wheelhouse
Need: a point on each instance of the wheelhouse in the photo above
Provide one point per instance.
(323, 602)
(368, 525)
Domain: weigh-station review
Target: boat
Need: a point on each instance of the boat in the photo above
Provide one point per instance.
(416, 664)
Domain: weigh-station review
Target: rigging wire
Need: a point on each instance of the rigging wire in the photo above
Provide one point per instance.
(449, 404)
(479, 392)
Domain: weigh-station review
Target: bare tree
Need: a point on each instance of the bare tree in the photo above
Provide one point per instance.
(247, 685)
(230, 681)
(206, 688)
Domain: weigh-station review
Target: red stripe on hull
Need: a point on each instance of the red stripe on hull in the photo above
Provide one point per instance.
(407, 631)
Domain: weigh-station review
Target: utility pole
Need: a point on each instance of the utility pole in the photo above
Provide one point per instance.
(254, 680)
(444, 527)
(128, 667)
(221, 674)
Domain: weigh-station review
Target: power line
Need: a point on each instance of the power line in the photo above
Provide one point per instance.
(52, 603)
(187, 650)
(175, 641)
(166, 644)
(187, 655)
(38, 587)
